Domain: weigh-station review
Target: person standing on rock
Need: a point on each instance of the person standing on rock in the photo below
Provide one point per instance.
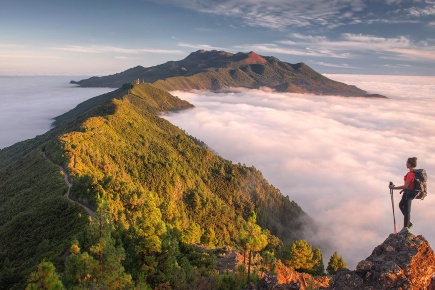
(408, 194)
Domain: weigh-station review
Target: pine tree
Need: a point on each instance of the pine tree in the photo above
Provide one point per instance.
(45, 277)
(144, 238)
(255, 241)
(80, 268)
(105, 249)
(301, 257)
(319, 267)
(335, 262)
(103, 266)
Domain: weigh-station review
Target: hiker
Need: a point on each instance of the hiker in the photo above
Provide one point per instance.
(408, 194)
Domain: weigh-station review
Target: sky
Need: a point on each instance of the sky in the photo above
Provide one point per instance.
(100, 37)
(334, 156)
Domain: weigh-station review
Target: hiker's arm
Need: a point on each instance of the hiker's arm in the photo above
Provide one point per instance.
(407, 182)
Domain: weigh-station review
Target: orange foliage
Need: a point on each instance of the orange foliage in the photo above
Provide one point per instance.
(286, 275)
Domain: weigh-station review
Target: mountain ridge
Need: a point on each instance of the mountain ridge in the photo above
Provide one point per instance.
(215, 70)
(164, 190)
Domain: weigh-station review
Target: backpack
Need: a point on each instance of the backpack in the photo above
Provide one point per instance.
(420, 186)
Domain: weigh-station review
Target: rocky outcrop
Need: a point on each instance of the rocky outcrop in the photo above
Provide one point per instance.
(400, 262)
(289, 279)
(269, 282)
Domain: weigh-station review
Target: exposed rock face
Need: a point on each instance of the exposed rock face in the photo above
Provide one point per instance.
(400, 262)
(288, 279)
(269, 282)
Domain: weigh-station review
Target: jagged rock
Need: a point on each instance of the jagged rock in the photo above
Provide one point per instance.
(270, 282)
(400, 262)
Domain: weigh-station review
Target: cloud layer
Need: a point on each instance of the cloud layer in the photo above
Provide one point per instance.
(30, 103)
(334, 156)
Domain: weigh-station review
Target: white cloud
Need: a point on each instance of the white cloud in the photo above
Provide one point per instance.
(422, 11)
(30, 103)
(344, 65)
(201, 46)
(110, 49)
(28, 56)
(350, 46)
(334, 156)
(298, 49)
(279, 14)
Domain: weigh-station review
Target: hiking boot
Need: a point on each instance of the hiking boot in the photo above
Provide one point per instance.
(404, 231)
(410, 225)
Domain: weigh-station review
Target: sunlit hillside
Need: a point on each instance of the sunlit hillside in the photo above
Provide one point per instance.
(154, 192)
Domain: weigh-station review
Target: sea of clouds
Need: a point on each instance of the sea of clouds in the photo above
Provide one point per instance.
(29, 103)
(334, 156)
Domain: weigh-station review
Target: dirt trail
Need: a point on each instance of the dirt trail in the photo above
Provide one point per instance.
(69, 184)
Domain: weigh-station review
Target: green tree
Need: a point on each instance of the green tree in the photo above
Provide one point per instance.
(80, 268)
(319, 267)
(192, 234)
(144, 238)
(256, 240)
(105, 249)
(45, 277)
(209, 237)
(335, 262)
(301, 257)
(269, 261)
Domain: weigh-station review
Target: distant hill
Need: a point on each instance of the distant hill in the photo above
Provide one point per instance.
(158, 192)
(217, 70)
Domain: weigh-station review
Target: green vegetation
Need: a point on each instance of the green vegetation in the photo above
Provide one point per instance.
(335, 263)
(45, 277)
(300, 256)
(157, 193)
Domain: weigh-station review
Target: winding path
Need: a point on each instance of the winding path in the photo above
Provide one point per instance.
(69, 184)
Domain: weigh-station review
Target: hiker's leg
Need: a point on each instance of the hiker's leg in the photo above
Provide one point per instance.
(403, 205)
(408, 214)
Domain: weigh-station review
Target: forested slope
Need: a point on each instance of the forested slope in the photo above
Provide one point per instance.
(156, 192)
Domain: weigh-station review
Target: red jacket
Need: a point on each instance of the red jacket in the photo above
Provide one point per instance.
(411, 177)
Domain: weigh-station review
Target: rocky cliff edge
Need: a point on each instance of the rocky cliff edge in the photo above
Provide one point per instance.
(400, 262)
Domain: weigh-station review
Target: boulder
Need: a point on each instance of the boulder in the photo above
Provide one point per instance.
(400, 262)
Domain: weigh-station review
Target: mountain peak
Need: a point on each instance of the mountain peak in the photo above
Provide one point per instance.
(400, 262)
(206, 54)
(255, 58)
(241, 57)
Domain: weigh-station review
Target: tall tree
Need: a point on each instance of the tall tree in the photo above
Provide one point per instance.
(109, 253)
(256, 239)
(301, 257)
(335, 262)
(80, 268)
(102, 266)
(45, 277)
(319, 267)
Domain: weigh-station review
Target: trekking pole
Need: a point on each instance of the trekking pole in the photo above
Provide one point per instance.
(392, 205)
